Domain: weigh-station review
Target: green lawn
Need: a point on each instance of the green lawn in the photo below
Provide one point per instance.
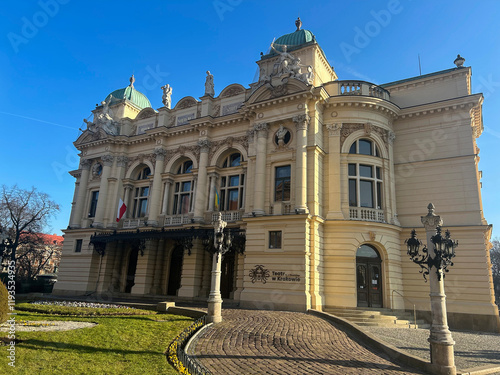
(132, 344)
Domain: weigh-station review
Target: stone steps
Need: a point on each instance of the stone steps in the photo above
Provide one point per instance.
(372, 317)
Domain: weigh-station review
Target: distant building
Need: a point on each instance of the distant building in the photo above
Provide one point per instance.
(320, 181)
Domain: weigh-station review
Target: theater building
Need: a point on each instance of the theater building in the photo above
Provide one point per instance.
(319, 179)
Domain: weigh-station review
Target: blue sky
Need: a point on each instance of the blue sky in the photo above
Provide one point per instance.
(58, 58)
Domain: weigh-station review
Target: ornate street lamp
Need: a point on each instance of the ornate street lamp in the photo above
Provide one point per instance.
(444, 250)
(222, 244)
(438, 253)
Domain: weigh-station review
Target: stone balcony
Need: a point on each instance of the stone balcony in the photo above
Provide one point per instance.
(366, 214)
(361, 88)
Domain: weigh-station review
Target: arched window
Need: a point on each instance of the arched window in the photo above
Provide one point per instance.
(365, 181)
(183, 201)
(141, 194)
(185, 167)
(364, 147)
(144, 174)
(233, 160)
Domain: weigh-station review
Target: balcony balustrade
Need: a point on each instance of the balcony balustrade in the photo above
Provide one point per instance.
(366, 214)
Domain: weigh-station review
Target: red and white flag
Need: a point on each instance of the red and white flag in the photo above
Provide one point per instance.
(121, 210)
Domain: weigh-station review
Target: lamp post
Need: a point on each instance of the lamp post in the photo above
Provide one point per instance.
(222, 243)
(438, 254)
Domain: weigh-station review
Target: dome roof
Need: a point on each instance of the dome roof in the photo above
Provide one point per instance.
(131, 94)
(293, 40)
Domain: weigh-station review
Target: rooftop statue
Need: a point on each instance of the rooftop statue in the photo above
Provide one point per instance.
(209, 84)
(166, 98)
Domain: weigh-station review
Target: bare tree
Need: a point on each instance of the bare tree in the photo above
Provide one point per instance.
(495, 267)
(23, 214)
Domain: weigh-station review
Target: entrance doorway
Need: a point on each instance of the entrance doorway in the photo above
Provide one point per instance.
(227, 275)
(175, 270)
(368, 277)
(132, 266)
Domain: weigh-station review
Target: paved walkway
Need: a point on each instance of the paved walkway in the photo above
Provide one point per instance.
(277, 342)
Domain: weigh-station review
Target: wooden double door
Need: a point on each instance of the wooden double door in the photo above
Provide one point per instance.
(369, 282)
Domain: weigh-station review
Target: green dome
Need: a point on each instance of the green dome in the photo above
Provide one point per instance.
(296, 38)
(131, 94)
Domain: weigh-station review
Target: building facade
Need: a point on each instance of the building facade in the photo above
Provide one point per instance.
(320, 181)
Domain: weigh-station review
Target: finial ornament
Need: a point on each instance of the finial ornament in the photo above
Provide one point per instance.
(132, 80)
(298, 23)
(459, 61)
(431, 209)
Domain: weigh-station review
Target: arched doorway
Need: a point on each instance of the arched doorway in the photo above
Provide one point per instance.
(368, 277)
(175, 270)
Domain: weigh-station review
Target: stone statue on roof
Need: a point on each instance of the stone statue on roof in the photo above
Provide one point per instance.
(209, 84)
(166, 98)
(103, 120)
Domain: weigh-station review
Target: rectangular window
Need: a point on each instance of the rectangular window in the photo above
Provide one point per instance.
(183, 198)
(353, 199)
(275, 239)
(78, 246)
(366, 193)
(352, 170)
(365, 170)
(93, 203)
(141, 201)
(282, 183)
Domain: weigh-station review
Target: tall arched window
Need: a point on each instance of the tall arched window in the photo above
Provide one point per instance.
(232, 183)
(141, 193)
(365, 180)
(183, 189)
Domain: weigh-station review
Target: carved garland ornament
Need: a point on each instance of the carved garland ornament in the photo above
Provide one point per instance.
(349, 128)
(216, 145)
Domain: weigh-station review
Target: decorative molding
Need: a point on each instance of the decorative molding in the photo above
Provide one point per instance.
(334, 129)
(301, 121)
(216, 110)
(349, 128)
(204, 145)
(159, 154)
(107, 160)
(233, 91)
(186, 103)
(121, 161)
(96, 171)
(85, 164)
(391, 137)
(262, 128)
(216, 145)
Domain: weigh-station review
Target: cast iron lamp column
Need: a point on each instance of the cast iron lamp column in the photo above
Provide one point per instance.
(438, 254)
(220, 244)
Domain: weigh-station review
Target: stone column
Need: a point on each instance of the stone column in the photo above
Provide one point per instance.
(166, 195)
(156, 288)
(107, 161)
(442, 356)
(301, 123)
(213, 186)
(334, 178)
(200, 202)
(154, 203)
(215, 299)
(391, 137)
(262, 130)
(82, 194)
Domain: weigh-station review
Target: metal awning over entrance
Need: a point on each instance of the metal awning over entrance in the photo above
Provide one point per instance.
(183, 236)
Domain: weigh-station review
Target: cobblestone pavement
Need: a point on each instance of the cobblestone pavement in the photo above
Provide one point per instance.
(277, 342)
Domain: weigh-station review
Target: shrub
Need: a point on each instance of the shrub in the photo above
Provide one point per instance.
(4, 303)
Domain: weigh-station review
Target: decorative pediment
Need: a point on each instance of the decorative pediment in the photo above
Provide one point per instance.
(186, 102)
(277, 88)
(145, 113)
(232, 90)
(89, 136)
